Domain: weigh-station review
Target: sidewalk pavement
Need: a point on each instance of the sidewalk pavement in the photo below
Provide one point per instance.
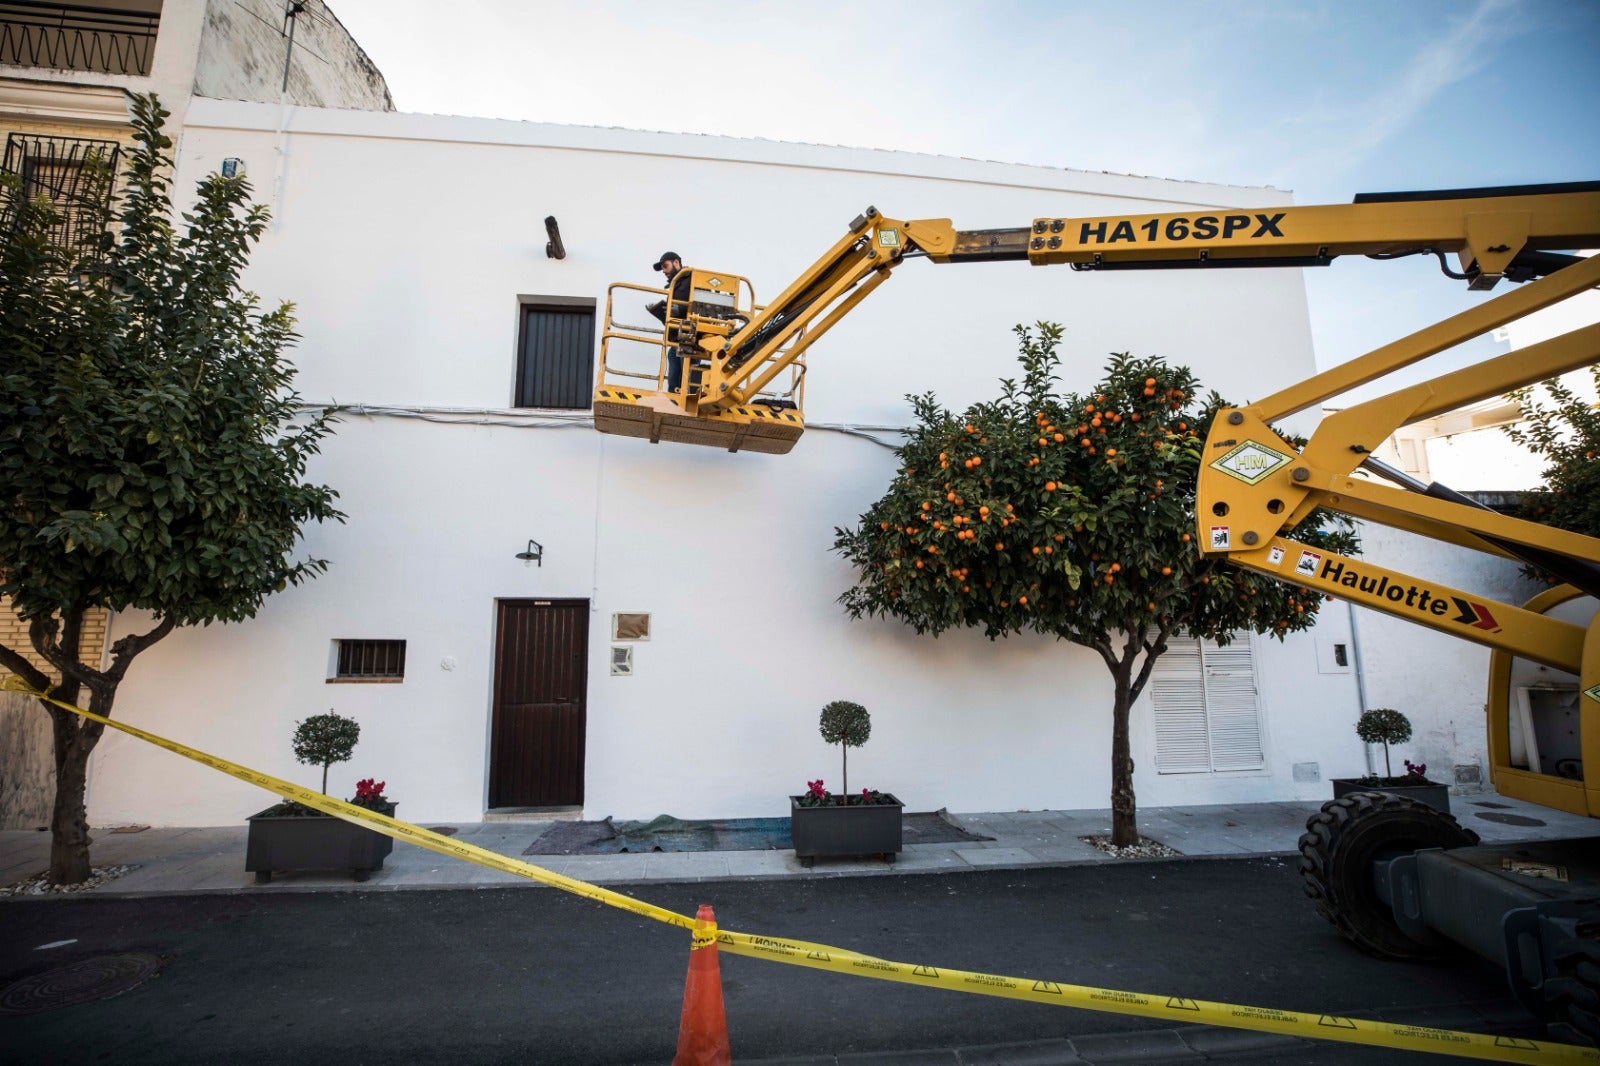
(177, 861)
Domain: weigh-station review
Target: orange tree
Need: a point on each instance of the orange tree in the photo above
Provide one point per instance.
(1072, 515)
(1561, 426)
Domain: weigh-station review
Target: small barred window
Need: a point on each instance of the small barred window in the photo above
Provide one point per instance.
(369, 660)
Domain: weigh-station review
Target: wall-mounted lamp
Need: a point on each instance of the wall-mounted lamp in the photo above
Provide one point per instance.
(554, 248)
(534, 554)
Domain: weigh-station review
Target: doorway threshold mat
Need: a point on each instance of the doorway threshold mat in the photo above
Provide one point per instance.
(666, 833)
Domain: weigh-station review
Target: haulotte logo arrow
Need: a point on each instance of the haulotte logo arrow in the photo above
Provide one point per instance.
(1475, 615)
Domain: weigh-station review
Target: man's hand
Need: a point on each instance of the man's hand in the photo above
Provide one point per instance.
(659, 309)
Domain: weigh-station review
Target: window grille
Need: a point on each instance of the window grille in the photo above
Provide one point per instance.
(371, 660)
(555, 361)
(73, 173)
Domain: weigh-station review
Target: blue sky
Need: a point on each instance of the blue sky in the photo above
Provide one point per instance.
(1326, 99)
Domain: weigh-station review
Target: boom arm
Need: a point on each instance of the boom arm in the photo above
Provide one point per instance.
(1495, 233)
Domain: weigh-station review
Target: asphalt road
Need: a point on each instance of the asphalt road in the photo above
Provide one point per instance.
(531, 975)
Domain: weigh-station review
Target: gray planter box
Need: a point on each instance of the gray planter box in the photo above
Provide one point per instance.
(836, 832)
(292, 845)
(1433, 795)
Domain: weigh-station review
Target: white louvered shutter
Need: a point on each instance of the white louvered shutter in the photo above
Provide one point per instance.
(1207, 716)
(1232, 712)
(1177, 688)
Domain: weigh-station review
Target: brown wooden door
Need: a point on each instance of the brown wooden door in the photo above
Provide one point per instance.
(541, 674)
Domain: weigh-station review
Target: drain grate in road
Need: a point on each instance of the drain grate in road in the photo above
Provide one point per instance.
(442, 830)
(1492, 803)
(1508, 819)
(78, 982)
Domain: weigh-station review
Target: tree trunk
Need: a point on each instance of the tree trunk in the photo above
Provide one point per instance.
(69, 820)
(1124, 810)
(75, 737)
(844, 780)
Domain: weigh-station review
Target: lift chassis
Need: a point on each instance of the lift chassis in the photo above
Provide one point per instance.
(1397, 878)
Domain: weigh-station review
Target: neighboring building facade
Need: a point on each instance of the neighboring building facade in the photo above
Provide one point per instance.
(66, 71)
(414, 248)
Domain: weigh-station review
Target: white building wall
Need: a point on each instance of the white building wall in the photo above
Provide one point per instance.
(1437, 680)
(405, 241)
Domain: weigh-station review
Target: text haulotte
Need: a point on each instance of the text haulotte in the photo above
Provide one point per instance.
(1411, 595)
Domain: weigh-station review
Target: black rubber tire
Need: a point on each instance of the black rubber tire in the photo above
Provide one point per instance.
(1338, 849)
(1574, 992)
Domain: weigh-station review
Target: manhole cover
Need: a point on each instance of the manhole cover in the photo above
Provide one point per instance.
(1491, 803)
(78, 982)
(1507, 819)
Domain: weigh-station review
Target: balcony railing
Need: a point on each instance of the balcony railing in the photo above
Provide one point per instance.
(73, 37)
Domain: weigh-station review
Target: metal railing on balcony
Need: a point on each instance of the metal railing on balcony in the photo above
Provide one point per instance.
(74, 37)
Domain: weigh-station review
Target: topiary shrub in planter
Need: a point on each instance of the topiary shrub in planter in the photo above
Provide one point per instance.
(292, 838)
(822, 824)
(1386, 726)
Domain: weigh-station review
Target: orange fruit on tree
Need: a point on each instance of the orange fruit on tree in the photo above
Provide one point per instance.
(1060, 437)
(1049, 486)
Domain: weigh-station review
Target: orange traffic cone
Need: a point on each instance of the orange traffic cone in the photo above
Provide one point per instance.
(703, 1031)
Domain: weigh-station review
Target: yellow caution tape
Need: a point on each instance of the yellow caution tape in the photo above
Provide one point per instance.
(1175, 1009)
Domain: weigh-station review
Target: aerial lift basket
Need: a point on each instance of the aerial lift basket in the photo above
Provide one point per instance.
(632, 396)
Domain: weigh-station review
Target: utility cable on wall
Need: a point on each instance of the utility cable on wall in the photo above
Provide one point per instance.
(516, 418)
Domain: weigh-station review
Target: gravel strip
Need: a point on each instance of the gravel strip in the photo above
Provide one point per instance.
(1145, 849)
(39, 884)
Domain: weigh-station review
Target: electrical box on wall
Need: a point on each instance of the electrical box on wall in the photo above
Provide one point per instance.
(1335, 655)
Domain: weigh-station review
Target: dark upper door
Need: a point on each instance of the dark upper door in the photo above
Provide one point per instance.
(541, 672)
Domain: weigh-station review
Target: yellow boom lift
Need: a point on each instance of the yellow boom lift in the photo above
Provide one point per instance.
(1397, 878)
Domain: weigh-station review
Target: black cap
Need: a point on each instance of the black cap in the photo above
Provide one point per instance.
(664, 257)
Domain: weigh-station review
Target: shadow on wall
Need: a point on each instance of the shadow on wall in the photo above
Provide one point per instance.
(27, 770)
